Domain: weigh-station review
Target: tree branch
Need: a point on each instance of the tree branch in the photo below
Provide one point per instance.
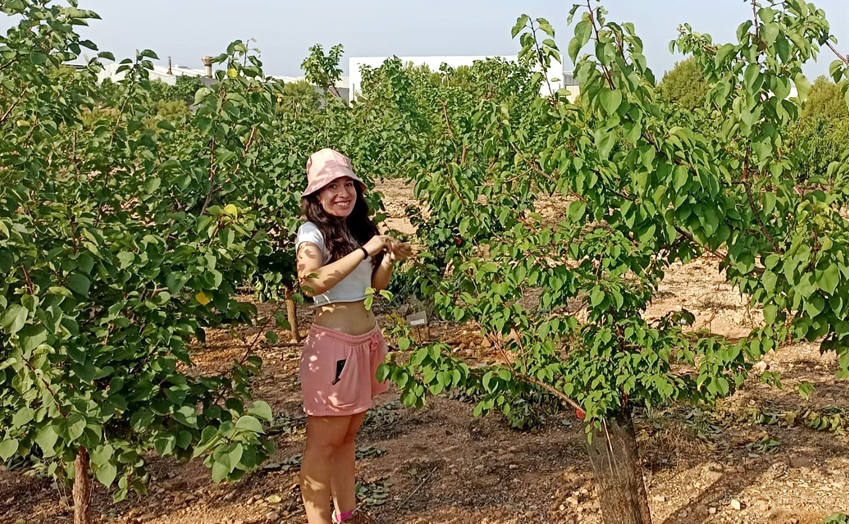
(447, 120)
(14, 104)
(755, 22)
(536, 382)
(606, 71)
(250, 348)
(29, 282)
(754, 208)
(210, 178)
(542, 66)
(843, 58)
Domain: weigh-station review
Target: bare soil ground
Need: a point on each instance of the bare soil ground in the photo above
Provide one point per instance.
(440, 464)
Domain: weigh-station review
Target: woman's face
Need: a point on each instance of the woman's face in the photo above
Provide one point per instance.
(338, 197)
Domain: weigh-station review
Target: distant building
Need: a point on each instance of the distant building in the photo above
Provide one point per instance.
(555, 74)
(350, 86)
(570, 84)
(170, 73)
(162, 73)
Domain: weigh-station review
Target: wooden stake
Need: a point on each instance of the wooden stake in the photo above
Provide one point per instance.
(292, 314)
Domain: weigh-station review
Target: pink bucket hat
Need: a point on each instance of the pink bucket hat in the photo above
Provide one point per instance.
(325, 166)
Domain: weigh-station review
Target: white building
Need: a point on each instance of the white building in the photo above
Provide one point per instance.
(169, 75)
(555, 73)
(159, 72)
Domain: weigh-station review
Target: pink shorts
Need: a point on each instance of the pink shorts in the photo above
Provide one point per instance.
(339, 371)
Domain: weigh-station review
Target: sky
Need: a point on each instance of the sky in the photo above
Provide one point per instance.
(283, 30)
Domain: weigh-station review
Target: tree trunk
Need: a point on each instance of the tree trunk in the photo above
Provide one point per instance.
(82, 488)
(292, 314)
(618, 475)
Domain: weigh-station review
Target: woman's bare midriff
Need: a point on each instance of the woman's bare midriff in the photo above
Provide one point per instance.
(348, 317)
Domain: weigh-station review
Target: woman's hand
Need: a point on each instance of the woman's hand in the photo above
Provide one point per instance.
(397, 250)
(377, 243)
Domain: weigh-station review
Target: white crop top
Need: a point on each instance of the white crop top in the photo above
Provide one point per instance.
(352, 288)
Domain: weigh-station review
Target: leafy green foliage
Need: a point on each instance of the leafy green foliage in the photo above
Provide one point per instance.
(647, 183)
(684, 85)
(825, 100)
(323, 70)
(125, 228)
(821, 135)
(127, 221)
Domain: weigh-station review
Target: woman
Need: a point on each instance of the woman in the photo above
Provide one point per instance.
(339, 254)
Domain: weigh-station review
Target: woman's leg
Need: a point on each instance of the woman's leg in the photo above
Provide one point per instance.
(343, 474)
(325, 436)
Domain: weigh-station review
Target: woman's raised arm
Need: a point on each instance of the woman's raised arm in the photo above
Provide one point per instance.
(315, 278)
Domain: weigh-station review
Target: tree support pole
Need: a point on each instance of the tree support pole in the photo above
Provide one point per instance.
(292, 314)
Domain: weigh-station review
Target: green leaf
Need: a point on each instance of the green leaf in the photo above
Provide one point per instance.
(102, 454)
(723, 52)
(596, 296)
(577, 210)
(573, 49)
(85, 262)
(272, 337)
(770, 33)
(486, 380)
(583, 32)
(152, 184)
(31, 336)
(174, 281)
(743, 29)
(201, 94)
(383, 372)
(21, 417)
(46, 439)
(610, 100)
(803, 86)
(186, 415)
(836, 70)
(545, 25)
(489, 267)
(261, 409)
(13, 318)
(249, 423)
(220, 470)
(79, 283)
(8, 448)
(769, 280)
(106, 473)
(235, 456)
(770, 313)
(605, 140)
(125, 259)
(519, 25)
(76, 426)
(679, 177)
(782, 48)
(751, 75)
(829, 279)
(814, 305)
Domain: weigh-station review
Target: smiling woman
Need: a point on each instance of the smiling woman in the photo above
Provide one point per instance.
(340, 254)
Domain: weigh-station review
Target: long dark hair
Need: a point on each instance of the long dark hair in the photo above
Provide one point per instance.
(342, 235)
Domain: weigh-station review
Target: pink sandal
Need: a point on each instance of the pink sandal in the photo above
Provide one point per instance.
(339, 518)
(352, 517)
